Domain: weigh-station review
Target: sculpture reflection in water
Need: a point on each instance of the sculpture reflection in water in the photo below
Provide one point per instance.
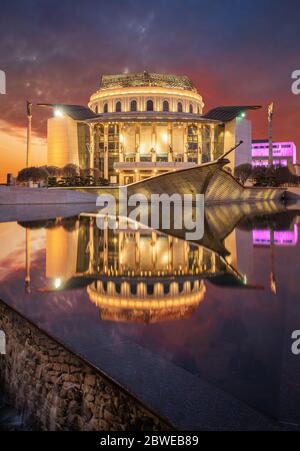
(137, 274)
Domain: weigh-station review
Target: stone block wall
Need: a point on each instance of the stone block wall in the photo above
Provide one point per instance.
(54, 389)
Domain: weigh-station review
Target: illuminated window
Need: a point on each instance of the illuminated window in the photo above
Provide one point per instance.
(118, 107)
(133, 105)
(179, 107)
(96, 110)
(198, 110)
(192, 139)
(150, 106)
(105, 108)
(166, 106)
(191, 109)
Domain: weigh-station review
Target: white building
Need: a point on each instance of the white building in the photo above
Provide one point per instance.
(141, 125)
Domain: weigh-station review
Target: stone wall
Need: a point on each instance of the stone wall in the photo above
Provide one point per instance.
(55, 390)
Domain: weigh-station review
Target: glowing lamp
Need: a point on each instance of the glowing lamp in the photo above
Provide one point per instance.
(58, 113)
(57, 283)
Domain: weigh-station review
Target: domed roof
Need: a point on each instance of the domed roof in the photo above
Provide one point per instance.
(146, 79)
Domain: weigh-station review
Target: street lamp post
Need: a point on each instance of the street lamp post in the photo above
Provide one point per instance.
(28, 150)
(270, 121)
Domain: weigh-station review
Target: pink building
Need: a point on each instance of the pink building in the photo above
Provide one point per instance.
(278, 238)
(284, 153)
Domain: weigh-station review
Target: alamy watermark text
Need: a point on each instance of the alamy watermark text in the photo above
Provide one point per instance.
(296, 342)
(2, 82)
(296, 82)
(161, 211)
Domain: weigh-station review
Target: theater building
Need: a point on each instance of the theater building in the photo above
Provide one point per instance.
(141, 125)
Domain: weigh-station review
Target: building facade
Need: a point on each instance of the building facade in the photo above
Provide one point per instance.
(135, 274)
(137, 126)
(284, 153)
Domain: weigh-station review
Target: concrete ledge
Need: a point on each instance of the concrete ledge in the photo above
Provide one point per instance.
(36, 212)
(41, 196)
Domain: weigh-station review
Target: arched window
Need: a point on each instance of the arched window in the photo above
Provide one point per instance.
(105, 108)
(133, 105)
(96, 110)
(118, 107)
(166, 106)
(150, 106)
(191, 109)
(179, 107)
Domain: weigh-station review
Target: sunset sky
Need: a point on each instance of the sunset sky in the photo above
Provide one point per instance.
(235, 51)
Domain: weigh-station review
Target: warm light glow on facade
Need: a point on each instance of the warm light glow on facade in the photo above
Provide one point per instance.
(142, 125)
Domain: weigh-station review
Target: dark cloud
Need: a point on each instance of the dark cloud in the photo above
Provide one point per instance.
(235, 51)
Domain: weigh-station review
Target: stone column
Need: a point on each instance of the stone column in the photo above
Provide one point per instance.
(212, 143)
(137, 176)
(186, 256)
(200, 257)
(187, 287)
(170, 142)
(141, 290)
(185, 143)
(154, 141)
(214, 263)
(137, 143)
(91, 246)
(171, 253)
(125, 290)
(105, 244)
(154, 256)
(174, 289)
(106, 175)
(137, 250)
(199, 144)
(92, 148)
(111, 288)
(122, 145)
(158, 290)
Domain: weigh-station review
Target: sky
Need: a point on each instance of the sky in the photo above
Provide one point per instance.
(235, 51)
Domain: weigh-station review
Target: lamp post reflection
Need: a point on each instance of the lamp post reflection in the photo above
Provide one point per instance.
(27, 264)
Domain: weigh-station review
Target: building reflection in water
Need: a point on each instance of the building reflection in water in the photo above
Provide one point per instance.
(268, 237)
(133, 274)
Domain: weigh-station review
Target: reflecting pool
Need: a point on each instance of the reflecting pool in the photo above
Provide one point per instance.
(160, 314)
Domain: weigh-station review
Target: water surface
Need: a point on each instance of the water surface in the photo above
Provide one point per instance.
(222, 310)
